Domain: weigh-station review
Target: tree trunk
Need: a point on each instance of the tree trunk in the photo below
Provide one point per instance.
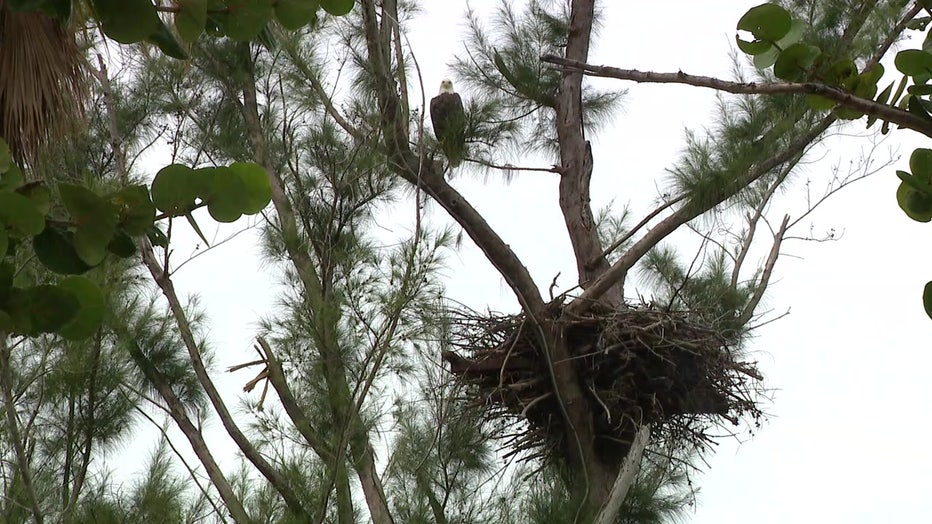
(576, 156)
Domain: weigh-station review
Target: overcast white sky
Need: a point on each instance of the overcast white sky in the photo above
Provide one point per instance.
(850, 366)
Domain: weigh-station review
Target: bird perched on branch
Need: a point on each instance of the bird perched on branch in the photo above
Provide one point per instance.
(449, 121)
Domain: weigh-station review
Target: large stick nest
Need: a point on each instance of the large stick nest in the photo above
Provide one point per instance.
(636, 365)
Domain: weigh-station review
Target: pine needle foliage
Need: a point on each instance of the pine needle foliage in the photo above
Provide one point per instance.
(502, 68)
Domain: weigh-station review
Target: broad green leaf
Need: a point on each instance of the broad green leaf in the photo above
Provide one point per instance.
(127, 21)
(295, 14)
(920, 164)
(927, 298)
(122, 245)
(766, 22)
(795, 62)
(765, 60)
(914, 62)
(4, 242)
(55, 249)
(916, 204)
(50, 307)
(895, 99)
(820, 103)
(919, 89)
(865, 90)
(6, 280)
(794, 35)
(91, 243)
(846, 113)
(11, 179)
(6, 323)
(842, 73)
(914, 105)
(923, 186)
(39, 194)
(881, 99)
(60, 9)
(191, 19)
(885, 94)
(245, 19)
(20, 214)
(753, 48)
(95, 220)
(174, 189)
(873, 75)
(166, 41)
(135, 209)
(6, 159)
(258, 188)
(90, 312)
(17, 308)
(157, 236)
(204, 179)
(228, 196)
(337, 7)
(864, 85)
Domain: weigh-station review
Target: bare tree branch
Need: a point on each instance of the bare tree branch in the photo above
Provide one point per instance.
(761, 287)
(869, 107)
(754, 219)
(626, 476)
(644, 221)
(408, 165)
(116, 142)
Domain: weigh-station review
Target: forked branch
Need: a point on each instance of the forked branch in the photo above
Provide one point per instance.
(686, 213)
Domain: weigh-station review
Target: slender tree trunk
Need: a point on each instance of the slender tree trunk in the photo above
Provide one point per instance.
(371, 482)
(90, 422)
(22, 461)
(69, 455)
(346, 513)
(315, 290)
(275, 477)
(190, 431)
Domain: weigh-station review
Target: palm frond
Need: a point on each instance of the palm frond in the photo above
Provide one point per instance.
(43, 82)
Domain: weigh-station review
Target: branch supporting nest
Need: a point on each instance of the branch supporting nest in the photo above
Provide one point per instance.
(640, 366)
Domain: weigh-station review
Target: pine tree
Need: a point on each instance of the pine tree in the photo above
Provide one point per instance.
(376, 396)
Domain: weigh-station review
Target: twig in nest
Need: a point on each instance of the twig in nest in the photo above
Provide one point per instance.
(608, 414)
(501, 376)
(535, 401)
(553, 285)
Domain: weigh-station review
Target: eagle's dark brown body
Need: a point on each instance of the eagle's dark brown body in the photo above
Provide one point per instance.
(449, 122)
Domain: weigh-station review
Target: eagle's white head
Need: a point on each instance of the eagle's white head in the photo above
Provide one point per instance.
(446, 86)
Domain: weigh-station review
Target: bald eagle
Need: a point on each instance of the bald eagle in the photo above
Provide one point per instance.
(449, 121)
